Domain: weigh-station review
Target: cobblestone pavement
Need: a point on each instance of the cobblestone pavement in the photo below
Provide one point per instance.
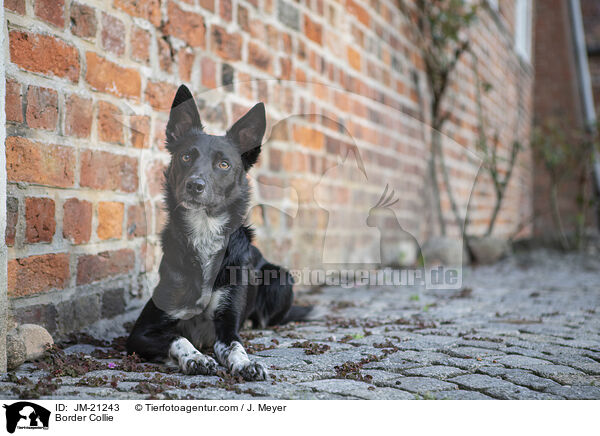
(526, 328)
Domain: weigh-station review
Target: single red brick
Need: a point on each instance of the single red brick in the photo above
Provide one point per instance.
(185, 25)
(320, 91)
(258, 30)
(13, 101)
(110, 123)
(108, 171)
(273, 38)
(44, 54)
(51, 11)
(313, 30)
(146, 9)
(140, 44)
(209, 73)
(287, 42)
(12, 219)
(242, 18)
(227, 45)
(78, 116)
(286, 68)
(160, 94)
(113, 34)
(354, 58)
(35, 162)
(309, 137)
(137, 221)
(42, 108)
(275, 159)
(83, 20)
(186, 61)
(226, 10)
(39, 219)
(94, 267)
(35, 274)
(104, 75)
(259, 56)
(140, 131)
(77, 220)
(358, 11)
(17, 6)
(110, 220)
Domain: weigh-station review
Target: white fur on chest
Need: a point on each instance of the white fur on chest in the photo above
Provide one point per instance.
(206, 233)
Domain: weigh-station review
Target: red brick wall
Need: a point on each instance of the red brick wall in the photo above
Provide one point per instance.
(88, 90)
(558, 97)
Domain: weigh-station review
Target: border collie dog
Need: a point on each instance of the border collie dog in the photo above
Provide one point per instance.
(202, 297)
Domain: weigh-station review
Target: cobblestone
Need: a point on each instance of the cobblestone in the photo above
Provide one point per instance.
(527, 329)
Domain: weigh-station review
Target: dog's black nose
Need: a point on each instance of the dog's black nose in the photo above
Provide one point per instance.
(195, 185)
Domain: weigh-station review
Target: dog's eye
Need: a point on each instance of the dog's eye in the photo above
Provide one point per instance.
(224, 165)
(186, 157)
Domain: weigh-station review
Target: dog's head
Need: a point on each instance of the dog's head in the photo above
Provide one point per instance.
(207, 171)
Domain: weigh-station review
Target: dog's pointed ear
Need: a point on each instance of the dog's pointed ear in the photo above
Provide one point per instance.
(184, 115)
(247, 133)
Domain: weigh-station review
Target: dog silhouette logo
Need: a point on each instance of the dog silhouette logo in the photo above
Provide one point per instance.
(26, 415)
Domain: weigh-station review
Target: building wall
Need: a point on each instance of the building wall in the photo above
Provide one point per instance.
(558, 97)
(89, 85)
(3, 251)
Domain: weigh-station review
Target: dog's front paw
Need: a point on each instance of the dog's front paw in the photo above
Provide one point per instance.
(250, 371)
(199, 364)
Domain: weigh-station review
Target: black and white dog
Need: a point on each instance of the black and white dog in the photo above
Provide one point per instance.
(203, 298)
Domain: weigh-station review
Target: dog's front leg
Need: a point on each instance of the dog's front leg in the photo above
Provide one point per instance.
(228, 347)
(189, 359)
(234, 357)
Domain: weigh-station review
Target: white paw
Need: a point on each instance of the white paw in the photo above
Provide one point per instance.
(250, 371)
(198, 364)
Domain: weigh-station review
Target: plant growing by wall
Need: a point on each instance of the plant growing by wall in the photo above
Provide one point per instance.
(565, 153)
(441, 36)
(498, 168)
